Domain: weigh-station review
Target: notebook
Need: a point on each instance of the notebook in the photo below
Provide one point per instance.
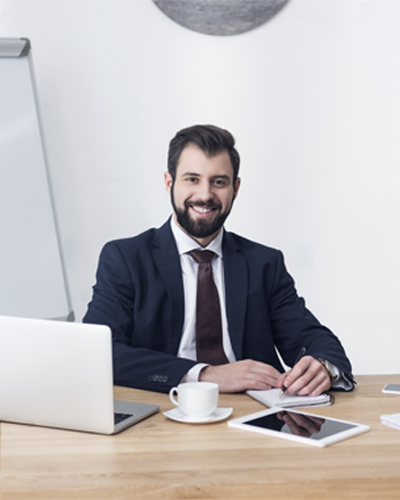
(272, 399)
(392, 420)
(59, 374)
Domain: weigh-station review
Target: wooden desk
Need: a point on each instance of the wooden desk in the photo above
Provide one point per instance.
(162, 459)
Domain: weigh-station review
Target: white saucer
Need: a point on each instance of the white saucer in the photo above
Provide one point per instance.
(219, 414)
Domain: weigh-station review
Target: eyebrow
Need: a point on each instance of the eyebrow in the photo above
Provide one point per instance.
(190, 174)
(194, 174)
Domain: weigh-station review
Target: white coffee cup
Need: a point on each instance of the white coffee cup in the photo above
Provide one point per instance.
(196, 399)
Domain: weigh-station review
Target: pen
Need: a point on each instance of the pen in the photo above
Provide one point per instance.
(299, 356)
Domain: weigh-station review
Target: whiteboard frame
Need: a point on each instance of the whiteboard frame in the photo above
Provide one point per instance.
(21, 48)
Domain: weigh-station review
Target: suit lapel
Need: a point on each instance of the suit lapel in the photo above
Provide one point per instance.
(166, 258)
(235, 270)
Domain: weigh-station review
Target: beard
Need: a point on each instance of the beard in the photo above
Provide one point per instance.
(200, 228)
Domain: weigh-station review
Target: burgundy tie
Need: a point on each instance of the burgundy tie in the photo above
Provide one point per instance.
(208, 313)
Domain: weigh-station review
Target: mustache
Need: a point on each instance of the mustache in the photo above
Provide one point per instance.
(207, 204)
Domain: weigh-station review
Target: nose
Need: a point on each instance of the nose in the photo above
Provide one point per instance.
(205, 192)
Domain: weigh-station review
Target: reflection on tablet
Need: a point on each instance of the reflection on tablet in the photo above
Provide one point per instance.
(300, 424)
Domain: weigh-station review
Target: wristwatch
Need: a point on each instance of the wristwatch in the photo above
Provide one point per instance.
(328, 368)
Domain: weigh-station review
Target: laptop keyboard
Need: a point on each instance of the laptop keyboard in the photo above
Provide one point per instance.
(120, 417)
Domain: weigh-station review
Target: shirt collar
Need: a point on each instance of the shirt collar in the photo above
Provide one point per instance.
(186, 244)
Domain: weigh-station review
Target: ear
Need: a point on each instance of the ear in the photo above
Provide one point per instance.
(168, 182)
(236, 187)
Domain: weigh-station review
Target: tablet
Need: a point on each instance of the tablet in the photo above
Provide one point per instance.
(299, 426)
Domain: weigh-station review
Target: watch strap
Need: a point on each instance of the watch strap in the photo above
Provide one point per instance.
(328, 368)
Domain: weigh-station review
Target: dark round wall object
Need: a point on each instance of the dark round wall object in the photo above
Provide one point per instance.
(220, 17)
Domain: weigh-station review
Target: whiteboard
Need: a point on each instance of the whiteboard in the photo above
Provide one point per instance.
(32, 276)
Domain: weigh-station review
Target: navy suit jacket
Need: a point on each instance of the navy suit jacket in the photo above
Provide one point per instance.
(139, 294)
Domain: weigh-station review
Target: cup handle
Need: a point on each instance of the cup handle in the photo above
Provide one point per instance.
(173, 391)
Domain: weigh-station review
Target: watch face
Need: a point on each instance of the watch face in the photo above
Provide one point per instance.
(220, 17)
(329, 365)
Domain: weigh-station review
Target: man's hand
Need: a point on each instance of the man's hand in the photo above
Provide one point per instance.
(241, 376)
(307, 378)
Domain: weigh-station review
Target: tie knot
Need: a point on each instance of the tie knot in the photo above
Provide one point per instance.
(202, 256)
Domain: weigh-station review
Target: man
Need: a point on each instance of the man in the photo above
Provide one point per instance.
(149, 291)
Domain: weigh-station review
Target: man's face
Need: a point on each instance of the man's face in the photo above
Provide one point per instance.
(202, 193)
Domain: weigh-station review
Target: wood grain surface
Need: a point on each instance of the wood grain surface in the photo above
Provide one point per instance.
(162, 459)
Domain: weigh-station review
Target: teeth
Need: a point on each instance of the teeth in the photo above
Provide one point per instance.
(202, 210)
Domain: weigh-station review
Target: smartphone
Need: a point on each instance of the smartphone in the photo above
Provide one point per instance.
(391, 389)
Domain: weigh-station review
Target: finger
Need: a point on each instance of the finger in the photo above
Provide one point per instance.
(298, 370)
(323, 387)
(266, 369)
(308, 376)
(314, 387)
(240, 376)
(281, 382)
(264, 373)
(314, 381)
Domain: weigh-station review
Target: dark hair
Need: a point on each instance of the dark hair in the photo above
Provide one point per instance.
(210, 139)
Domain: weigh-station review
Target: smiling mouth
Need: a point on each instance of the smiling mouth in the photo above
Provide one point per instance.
(202, 210)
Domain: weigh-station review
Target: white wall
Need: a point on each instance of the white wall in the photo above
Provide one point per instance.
(312, 98)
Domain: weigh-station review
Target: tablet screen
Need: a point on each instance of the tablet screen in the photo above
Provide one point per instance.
(300, 424)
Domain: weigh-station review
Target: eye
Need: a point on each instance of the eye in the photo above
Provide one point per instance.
(220, 182)
(191, 179)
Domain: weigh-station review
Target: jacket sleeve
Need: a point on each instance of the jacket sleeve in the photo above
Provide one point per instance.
(294, 326)
(140, 359)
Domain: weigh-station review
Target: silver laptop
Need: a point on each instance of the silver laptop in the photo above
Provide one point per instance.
(59, 374)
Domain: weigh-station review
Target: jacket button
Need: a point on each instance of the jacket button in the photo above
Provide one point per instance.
(158, 378)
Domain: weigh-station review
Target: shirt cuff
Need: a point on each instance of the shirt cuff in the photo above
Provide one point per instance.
(193, 374)
(341, 381)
